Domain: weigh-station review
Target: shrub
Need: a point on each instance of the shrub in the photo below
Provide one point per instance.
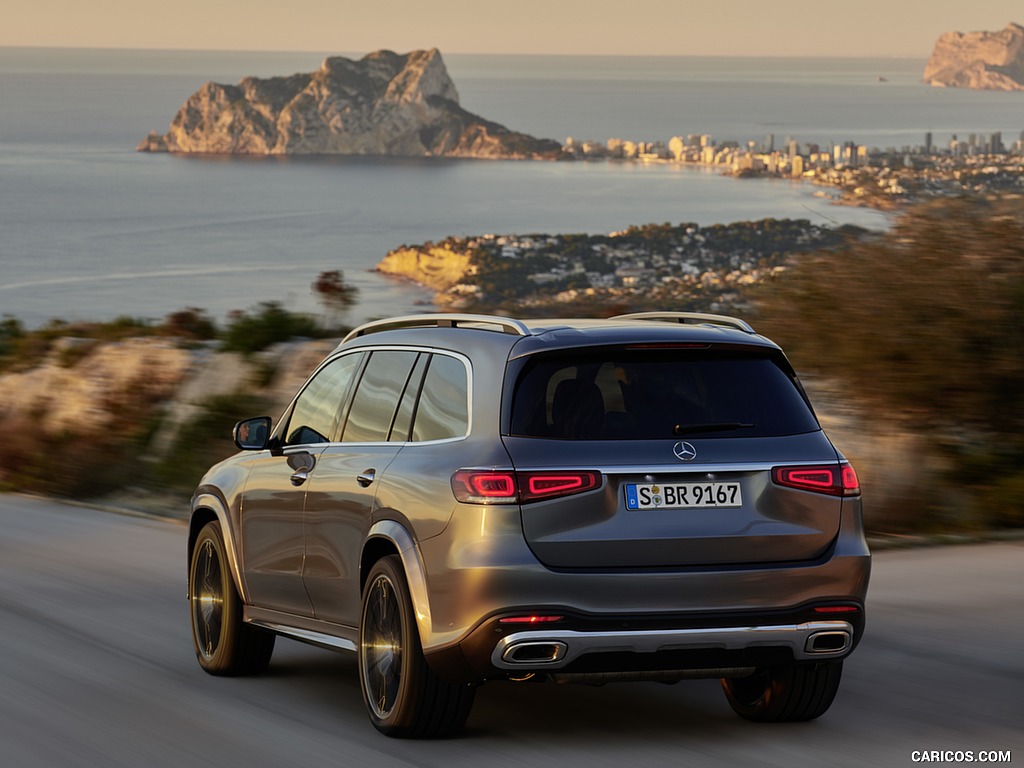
(190, 323)
(268, 324)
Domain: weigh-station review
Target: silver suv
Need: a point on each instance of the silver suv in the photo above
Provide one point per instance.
(463, 498)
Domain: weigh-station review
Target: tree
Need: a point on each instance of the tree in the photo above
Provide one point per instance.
(336, 296)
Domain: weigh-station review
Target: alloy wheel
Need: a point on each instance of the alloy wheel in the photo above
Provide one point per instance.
(382, 647)
(207, 599)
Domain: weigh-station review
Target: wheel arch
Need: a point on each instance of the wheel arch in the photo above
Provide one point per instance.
(387, 537)
(207, 508)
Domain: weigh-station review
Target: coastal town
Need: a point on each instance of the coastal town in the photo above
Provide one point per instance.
(854, 174)
(703, 268)
(656, 266)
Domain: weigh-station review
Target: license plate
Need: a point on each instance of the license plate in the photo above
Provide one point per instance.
(682, 495)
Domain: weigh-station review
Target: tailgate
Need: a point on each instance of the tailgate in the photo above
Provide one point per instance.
(656, 510)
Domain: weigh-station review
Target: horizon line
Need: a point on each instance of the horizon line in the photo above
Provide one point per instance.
(902, 57)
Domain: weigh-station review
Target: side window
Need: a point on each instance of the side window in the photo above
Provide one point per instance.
(317, 411)
(443, 410)
(377, 396)
(402, 429)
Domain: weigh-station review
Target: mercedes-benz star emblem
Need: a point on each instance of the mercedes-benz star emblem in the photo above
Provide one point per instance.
(684, 451)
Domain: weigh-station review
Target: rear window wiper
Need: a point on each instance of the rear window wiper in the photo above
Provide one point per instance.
(721, 426)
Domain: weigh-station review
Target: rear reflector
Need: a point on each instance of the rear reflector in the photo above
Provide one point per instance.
(670, 345)
(475, 486)
(529, 619)
(836, 609)
(831, 479)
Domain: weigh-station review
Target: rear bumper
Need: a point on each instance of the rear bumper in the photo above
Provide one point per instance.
(556, 650)
(623, 621)
(653, 647)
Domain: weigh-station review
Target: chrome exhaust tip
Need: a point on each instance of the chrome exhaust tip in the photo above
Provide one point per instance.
(535, 652)
(830, 642)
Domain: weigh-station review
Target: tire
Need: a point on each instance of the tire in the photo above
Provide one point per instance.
(224, 644)
(785, 694)
(403, 696)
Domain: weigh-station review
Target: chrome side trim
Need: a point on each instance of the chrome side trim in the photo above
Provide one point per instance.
(308, 636)
(429, 350)
(321, 633)
(690, 468)
(793, 636)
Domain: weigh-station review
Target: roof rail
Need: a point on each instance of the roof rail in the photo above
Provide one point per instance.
(441, 320)
(690, 317)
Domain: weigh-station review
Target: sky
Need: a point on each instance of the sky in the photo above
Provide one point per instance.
(884, 28)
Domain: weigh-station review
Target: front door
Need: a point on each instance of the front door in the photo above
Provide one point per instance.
(272, 529)
(273, 503)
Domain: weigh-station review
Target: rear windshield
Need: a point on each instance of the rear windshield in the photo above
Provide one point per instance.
(647, 395)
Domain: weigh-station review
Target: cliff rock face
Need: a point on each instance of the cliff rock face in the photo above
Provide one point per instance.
(383, 104)
(437, 267)
(982, 60)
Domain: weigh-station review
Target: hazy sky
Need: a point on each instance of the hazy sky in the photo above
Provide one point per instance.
(902, 28)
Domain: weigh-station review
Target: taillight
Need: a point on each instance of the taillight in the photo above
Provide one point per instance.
(476, 486)
(544, 485)
(831, 479)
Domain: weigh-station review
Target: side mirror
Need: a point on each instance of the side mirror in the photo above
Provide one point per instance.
(252, 434)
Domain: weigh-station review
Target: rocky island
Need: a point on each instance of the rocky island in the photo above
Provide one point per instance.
(991, 61)
(384, 104)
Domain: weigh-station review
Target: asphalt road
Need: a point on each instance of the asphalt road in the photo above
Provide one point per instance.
(97, 669)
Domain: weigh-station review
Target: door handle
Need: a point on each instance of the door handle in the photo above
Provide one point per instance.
(302, 463)
(367, 477)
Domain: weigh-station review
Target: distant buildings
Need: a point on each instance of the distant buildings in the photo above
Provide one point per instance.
(704, 149)
(863, 175)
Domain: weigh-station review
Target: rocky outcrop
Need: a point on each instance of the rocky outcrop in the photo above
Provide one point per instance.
(383, 104)
(982, 60)
(435, 267)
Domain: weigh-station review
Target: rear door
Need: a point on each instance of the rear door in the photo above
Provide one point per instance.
(686, 441)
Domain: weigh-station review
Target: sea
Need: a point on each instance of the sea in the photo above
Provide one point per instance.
(92, 230)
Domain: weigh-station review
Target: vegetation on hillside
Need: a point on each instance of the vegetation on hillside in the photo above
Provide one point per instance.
(82, 462)
(916, 332)
(922, 327)
(246, 331)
